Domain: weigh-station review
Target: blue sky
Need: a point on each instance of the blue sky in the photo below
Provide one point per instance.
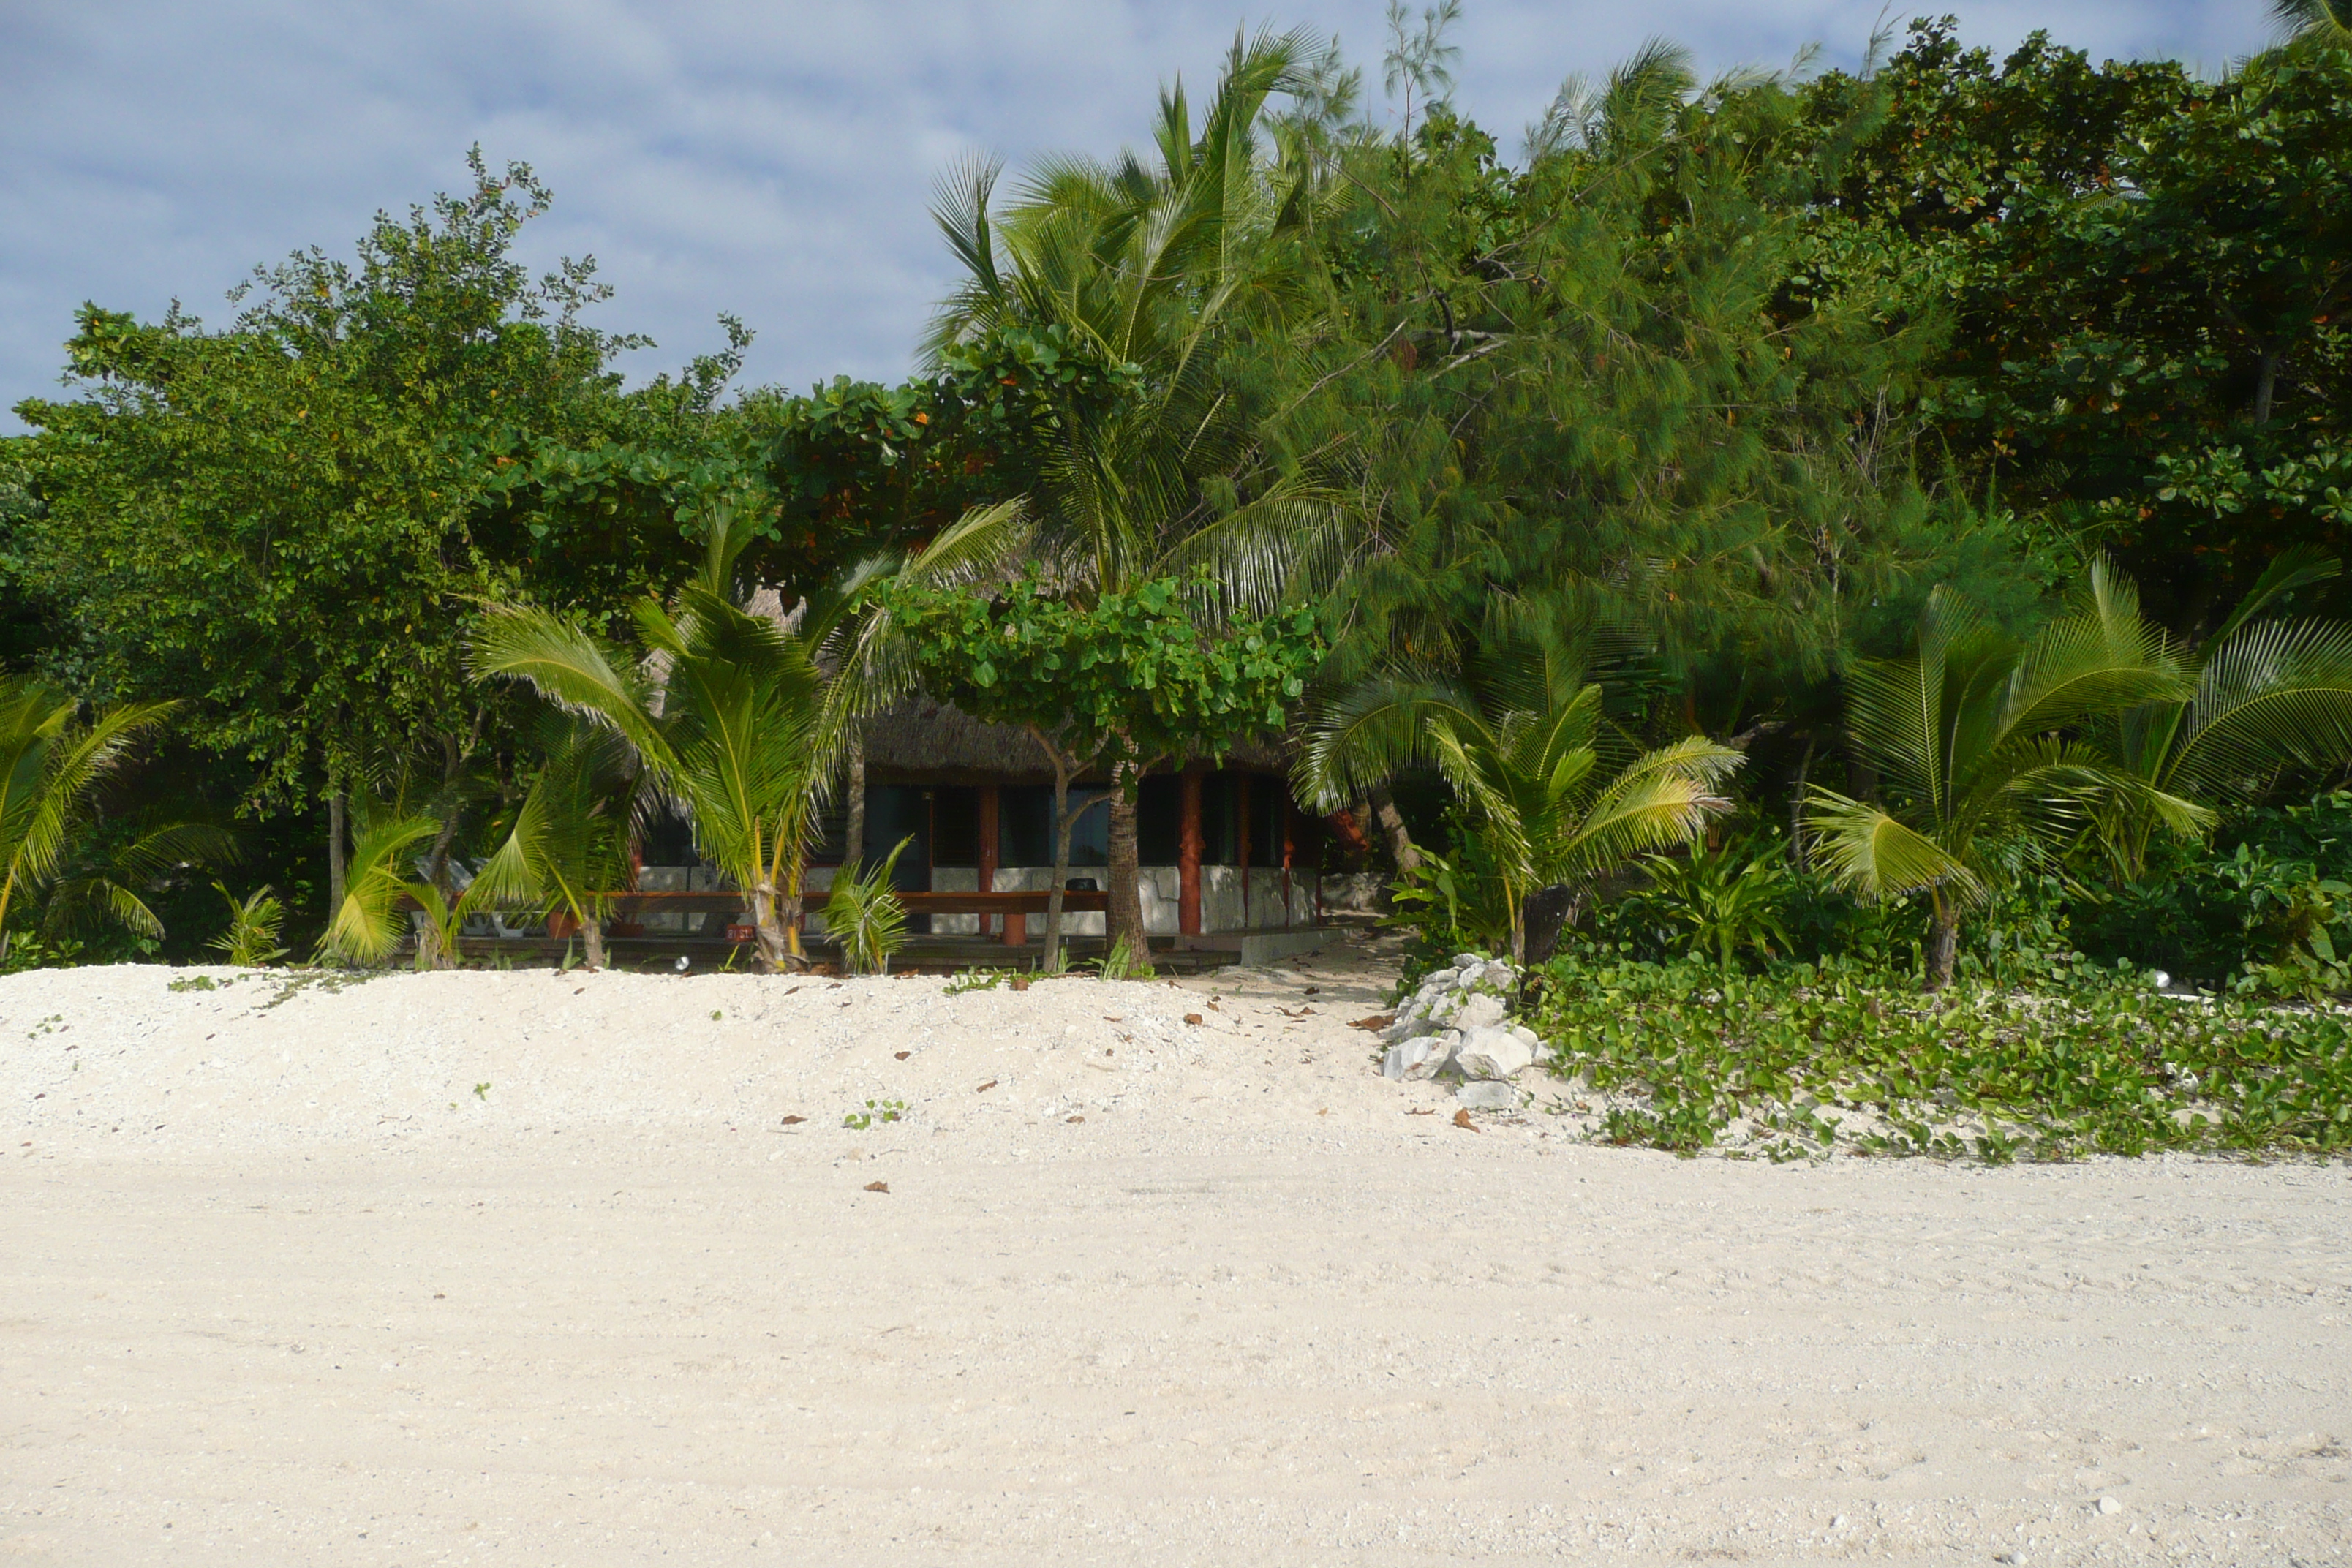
(773, 160)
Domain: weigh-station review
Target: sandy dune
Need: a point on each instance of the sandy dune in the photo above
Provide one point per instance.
(278, 1286)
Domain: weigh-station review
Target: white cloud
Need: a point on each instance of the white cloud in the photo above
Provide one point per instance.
(774, 160)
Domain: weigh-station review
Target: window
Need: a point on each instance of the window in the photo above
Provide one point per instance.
(955, 826)
(1220, 822)
(1160, 820)
(668, 839)
(894, 811)
(1024, 827)
(1268, 800)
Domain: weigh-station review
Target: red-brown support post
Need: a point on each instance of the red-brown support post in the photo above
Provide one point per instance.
(1289, 851)
(1187, 855)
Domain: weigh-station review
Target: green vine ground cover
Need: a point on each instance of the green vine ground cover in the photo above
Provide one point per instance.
(1805, 1061)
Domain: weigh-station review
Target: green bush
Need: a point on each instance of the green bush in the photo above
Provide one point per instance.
(2263, 909)
(1809, 1059)
(866, 915)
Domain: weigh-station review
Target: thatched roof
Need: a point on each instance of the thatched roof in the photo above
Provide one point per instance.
(937, 741)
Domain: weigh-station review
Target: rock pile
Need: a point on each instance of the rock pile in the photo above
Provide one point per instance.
(1454, 1026)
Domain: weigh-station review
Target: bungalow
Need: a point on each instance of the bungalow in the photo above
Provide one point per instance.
(1225, 852)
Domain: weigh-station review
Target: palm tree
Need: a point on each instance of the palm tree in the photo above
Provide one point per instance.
(2327, 24)
(50, 766)
(568, 848)
(1527, 748)
(1142, 272)
(1970, 735)
(742, 721)
(736, 730)
(2269, 694)
(366, 923)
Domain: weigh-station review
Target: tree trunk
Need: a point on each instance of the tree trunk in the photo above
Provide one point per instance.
(852, 834)
(1391, 823)
(437, 870)
(338, 805)
(1797, 808)
(1943, 946)
(1125, 918)
(591, 938)
(2266, 387)
(1063, 822)
(1544, 917)
(769, 950)
(795, 906)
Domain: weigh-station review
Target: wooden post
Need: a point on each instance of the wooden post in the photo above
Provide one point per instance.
(1289, 851)
(989, 806)
(1187, 855)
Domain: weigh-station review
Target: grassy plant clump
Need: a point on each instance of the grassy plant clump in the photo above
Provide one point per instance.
(1809, 1060)
(1123, 962)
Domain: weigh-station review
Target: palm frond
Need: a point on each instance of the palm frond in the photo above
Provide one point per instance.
(2276, 693)
(1872, 854)
(1370, 732)
(366, 926)
(1665, 798)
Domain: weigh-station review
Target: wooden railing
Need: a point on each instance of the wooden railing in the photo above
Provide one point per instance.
(1015, 908)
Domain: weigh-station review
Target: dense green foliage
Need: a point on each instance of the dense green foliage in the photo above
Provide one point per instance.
(1820, 425)
(1806, 1061)
(1129, 677)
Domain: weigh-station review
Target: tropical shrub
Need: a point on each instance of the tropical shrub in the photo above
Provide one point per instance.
(1809, 1060)
(567, 847)
(866, 917)
(2263, 911)
(1718, 902)
(367, 925)
(254, 921)
(1968, 735)
(51, 765)
(1551, 794)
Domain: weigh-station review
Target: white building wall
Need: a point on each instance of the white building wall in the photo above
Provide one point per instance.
(1221, 898)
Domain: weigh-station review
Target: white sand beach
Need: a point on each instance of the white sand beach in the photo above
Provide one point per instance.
(524, 1268)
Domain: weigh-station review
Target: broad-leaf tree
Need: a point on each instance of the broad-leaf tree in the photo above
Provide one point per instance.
(1122, 681)
(285, 523)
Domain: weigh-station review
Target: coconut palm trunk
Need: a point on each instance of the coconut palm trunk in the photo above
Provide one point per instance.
(1943, 940)
(771, 933)
(338, 805)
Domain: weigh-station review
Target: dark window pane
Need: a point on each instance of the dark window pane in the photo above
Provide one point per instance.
(1090, 834)
(668, 840)
(1024, 825)
(955, 826)
(1025, 817)
(1159, 819)
(1220, 823)
(1268, 798)
(894, 811)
